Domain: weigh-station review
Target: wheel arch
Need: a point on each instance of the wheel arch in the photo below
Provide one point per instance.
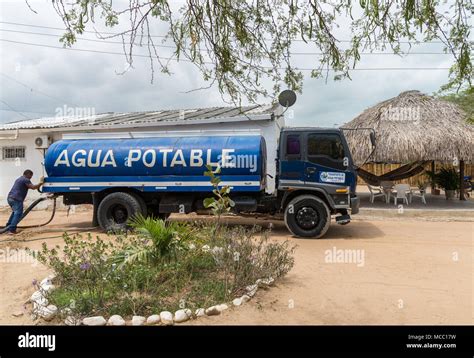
(320, 193)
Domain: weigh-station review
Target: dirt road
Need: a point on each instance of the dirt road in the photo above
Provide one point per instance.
(393, 272)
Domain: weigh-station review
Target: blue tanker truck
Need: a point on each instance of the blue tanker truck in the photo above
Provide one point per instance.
(315, 176)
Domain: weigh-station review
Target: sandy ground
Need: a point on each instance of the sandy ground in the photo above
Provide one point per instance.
(408, 272)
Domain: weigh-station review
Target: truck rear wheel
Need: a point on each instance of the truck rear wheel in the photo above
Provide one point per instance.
(116, 209)
(143, 206)
(307, 216)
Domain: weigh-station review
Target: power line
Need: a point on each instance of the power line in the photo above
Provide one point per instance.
(174, 47)
(22, 111)
(87, 50)
(32, 89)
(81, 38)
(165, 36)
(14, 110)
(61, 29)
(210, 63)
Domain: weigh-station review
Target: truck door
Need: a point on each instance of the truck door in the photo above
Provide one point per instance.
(291, 159)
(326, 160)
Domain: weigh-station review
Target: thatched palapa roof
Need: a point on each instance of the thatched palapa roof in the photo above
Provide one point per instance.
(412, 127)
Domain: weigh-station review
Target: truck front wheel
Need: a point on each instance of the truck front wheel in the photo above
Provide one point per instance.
(307, 216)
(116, 209)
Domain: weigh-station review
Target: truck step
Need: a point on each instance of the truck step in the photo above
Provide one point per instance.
(343, 219)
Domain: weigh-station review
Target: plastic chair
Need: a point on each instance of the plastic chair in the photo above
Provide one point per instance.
(420, 193)
(375, 192)
(403, 192)
(387, 187)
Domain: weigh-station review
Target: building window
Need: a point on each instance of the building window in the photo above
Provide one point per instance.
(13, 153)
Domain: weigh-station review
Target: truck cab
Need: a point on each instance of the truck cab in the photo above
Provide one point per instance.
(316, 179)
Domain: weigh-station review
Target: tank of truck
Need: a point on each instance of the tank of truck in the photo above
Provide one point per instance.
(94, 164)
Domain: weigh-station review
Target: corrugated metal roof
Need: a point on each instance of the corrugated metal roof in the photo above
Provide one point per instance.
(149, 118)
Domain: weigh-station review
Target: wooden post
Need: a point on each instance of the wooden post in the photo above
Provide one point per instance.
(433, 169)
(461, 180)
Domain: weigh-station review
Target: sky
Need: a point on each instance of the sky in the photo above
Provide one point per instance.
(37, 81)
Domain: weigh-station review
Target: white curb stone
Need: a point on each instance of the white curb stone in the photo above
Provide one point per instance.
(72, 321)
(200, 312)
(116, 320)
(181, 316)
(48, 280)
(94, 321)
(222, 307)
(237, 301)
(46, 313)
(153, 319)
(166, 318)
(35, 296)
(213, 311)
(245, 298)
(251, 290)
(47, 287)
(42, 302)
(138, 320)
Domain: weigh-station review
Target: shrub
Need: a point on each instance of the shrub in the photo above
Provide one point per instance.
(158, 240)
(168, 275)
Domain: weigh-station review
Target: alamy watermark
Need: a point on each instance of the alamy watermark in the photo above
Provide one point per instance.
(17, 256)
(401, 114)
(345, 256)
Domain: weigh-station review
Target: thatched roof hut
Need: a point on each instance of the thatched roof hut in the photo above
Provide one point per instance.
(412, 127)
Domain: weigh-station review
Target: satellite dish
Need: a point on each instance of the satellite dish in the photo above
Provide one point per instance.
(287, 98)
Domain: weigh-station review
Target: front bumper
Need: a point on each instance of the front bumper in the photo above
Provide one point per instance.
(355, 202)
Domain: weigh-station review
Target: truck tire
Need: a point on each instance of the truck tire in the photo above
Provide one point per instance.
(143, 206)
(116, 209)
(307, 216)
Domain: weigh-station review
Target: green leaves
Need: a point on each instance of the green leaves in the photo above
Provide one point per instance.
(239, 44)
(446, 178)
(158, 241)
(464, 99)
(220, 203)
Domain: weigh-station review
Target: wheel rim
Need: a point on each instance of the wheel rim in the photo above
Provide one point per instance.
(118, 213)
(307, 218)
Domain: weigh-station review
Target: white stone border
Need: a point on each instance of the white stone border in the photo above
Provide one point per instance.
(42, 308)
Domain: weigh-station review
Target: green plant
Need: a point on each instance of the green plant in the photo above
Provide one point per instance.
(446, 178)
(158, 240)
(245, 255)
(197, 271)
(84, 262)
(221, 203)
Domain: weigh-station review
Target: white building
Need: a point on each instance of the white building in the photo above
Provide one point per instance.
(23, 143)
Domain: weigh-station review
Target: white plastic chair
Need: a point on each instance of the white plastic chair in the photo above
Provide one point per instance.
(420, 192)
(375, 192)
(387, 187)
(403, 192)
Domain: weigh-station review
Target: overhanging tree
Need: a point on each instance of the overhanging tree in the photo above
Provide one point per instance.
(236, 44)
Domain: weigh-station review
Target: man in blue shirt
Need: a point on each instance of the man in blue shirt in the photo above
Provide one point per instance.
(17, 195)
